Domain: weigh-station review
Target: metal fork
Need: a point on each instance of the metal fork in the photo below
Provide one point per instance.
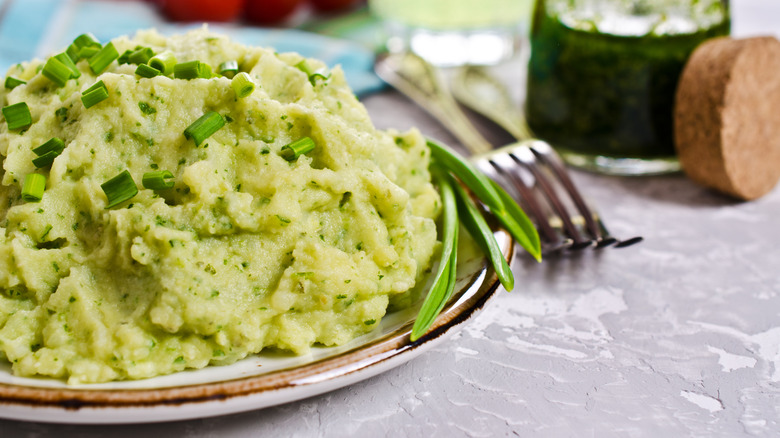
(524, 169)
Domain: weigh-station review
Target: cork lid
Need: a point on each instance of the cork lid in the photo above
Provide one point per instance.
(727, 116)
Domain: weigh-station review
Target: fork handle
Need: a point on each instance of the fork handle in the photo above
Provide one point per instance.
(482, 92)
(420, 82)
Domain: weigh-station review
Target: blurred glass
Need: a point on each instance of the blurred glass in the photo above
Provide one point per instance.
(454, 32)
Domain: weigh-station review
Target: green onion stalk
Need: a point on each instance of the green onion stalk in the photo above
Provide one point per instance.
(17, 116)
(158, 180)
(33, 187)
(94, 94)
(292, 151)
(204, 127)
(103, 58)
(147, 71)
(119, 189)
(458, 180)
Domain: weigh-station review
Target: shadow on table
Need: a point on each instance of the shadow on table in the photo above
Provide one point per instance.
(668, 189)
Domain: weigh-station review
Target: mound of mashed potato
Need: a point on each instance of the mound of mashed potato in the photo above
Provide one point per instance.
(247, 251)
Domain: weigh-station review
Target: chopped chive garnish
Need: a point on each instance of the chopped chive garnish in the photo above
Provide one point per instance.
(33, 187)
(73, 51)
(242, 84)
(88, 52)
(228, 68)
(141, 56)
(102, 59)
(304, 67)
(17, 116)
(204, 127)
(157, 180)
(124, 58)
(146, 71)
(57, 71)
(192, 70)
(204, 71)
(186, 70)
(321, 73)
(119, 189)
(65, 59)
(292, 151)
(12, 82)
(53, 144)
(95, 86)
(45, 159)
(94, 97)
(164, 62)
(86, 40)
(94, 94)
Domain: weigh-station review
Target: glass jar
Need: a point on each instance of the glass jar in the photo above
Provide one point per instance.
(603, 75)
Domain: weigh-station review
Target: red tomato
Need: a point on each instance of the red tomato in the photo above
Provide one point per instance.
(333, 5)
(201, 10)
(269, 11)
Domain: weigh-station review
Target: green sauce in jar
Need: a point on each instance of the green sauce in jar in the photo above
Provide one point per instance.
(603, 73)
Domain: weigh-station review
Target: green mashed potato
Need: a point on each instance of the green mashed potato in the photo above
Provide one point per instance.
(247, 251)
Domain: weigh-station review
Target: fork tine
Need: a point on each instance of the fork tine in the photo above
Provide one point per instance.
(593, 222)
(544, 152)
(523, 155)
(520, 189)
(629, 242)
(607, 240)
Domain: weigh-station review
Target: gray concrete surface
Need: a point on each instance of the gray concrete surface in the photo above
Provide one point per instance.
(678, 336)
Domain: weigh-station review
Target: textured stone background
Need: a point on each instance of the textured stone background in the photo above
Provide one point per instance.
(678, 336)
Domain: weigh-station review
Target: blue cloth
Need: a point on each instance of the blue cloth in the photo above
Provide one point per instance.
(38, 28)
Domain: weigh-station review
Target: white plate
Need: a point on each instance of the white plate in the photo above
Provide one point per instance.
(256, 382)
